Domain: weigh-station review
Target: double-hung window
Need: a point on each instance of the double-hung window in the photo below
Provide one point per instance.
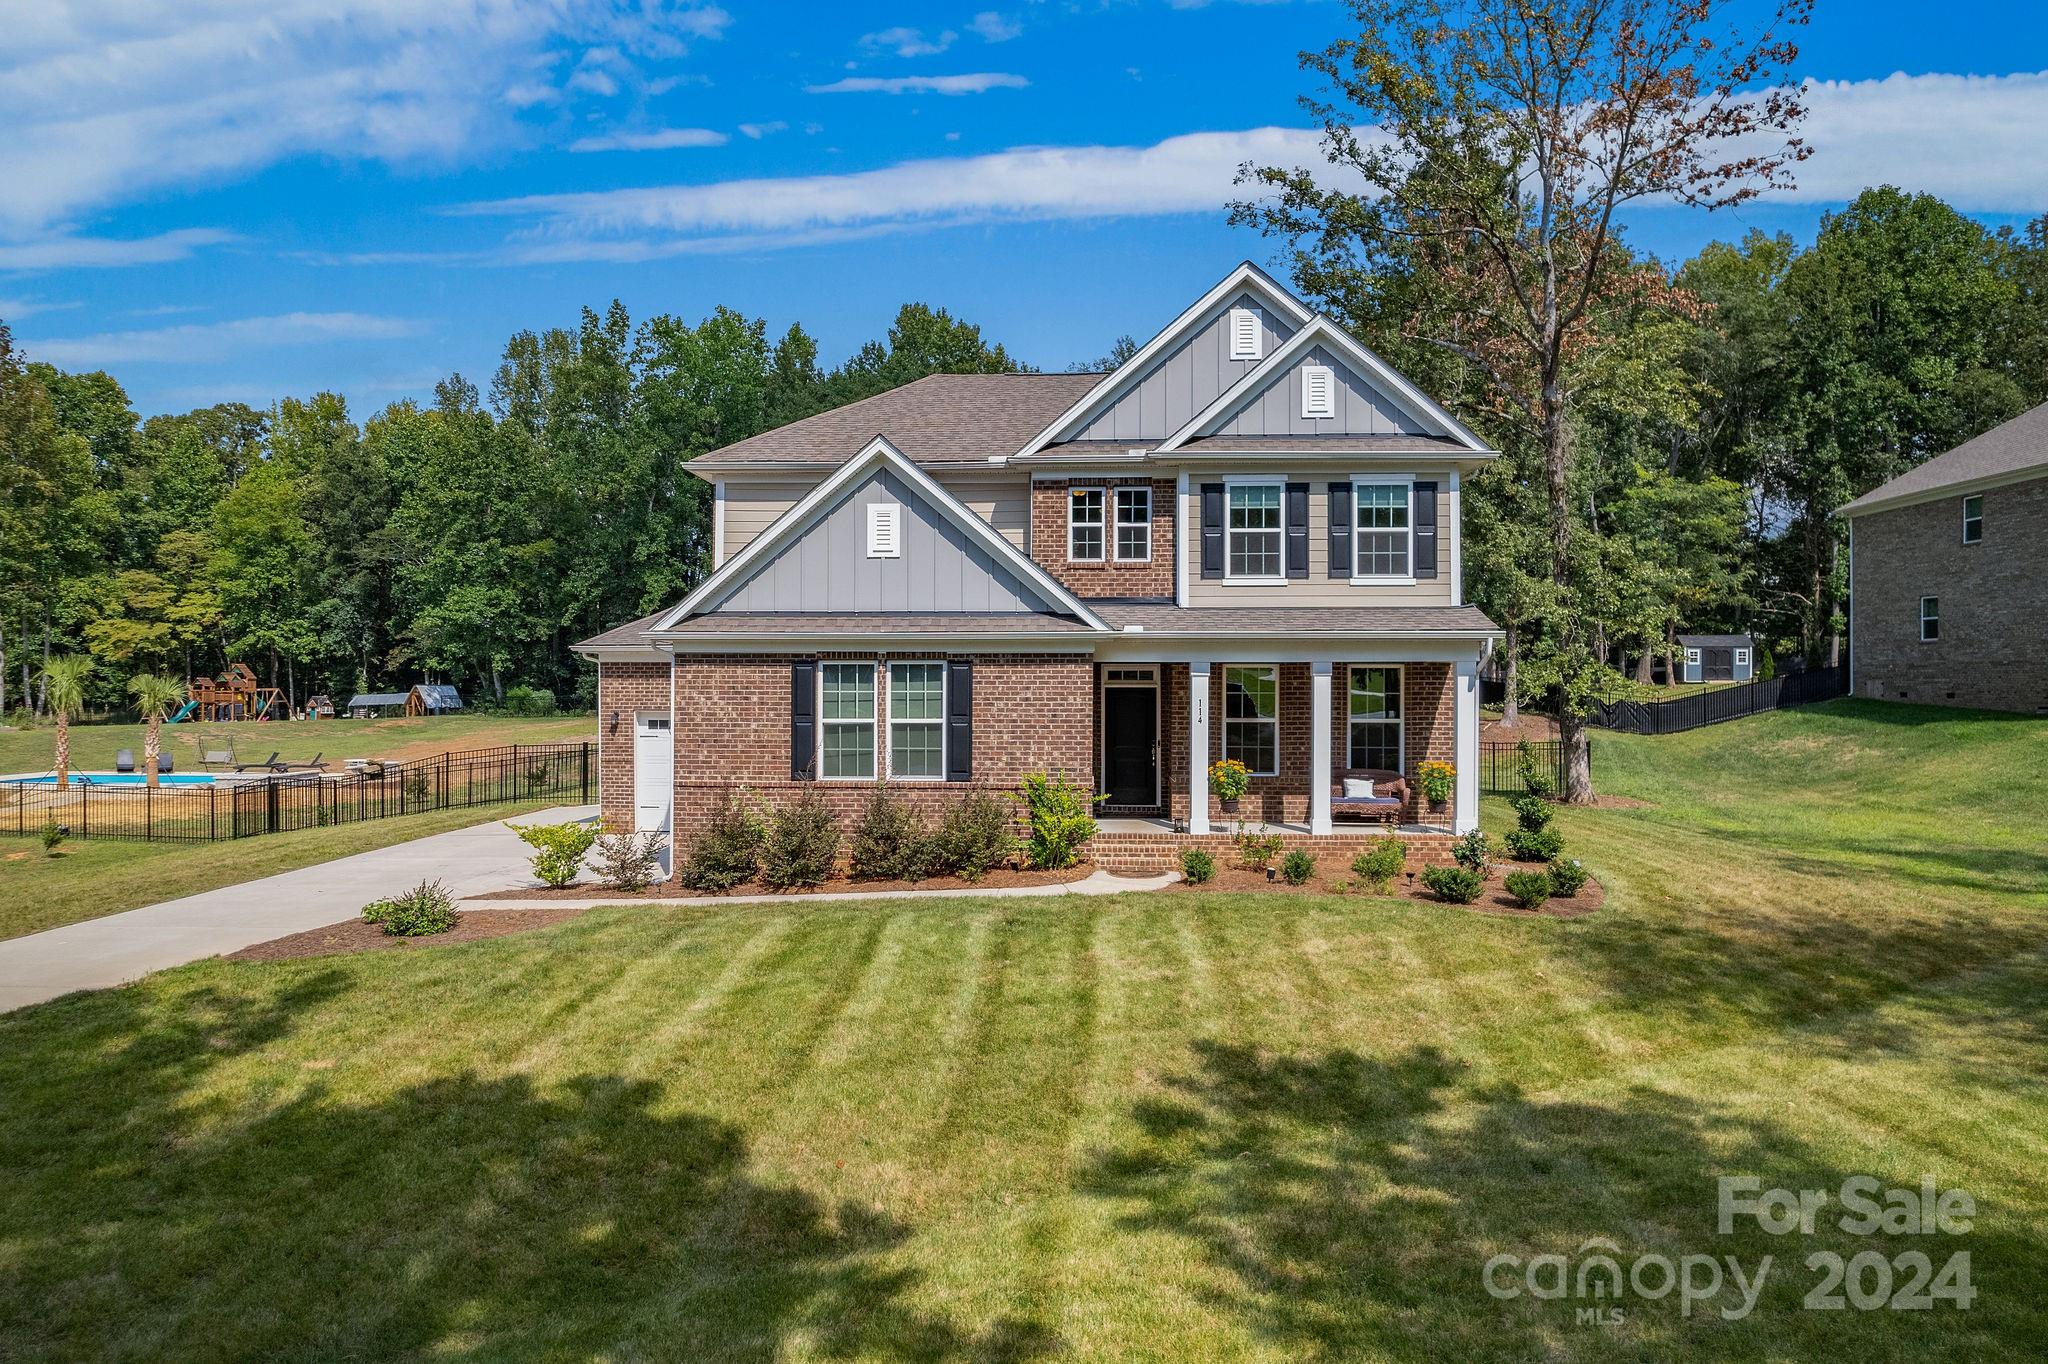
(1375, 711)
(1254, 531)
(1973, 518)
(847, 710)
(1930, 619)
(1084, 524)
(1381, 539)
(1133, 523)
(917, 720)
(1251, 718)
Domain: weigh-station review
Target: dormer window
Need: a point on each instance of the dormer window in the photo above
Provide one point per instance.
(885, 530)
(1318, 392)
(1247, 340)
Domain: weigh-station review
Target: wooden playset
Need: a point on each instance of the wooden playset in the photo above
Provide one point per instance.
(234, 695)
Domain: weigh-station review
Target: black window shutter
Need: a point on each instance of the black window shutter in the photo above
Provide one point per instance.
(1340, 530)
(1425, 530)
(960, 721)
(1297, 530)
(803, 718)
(1212, 530)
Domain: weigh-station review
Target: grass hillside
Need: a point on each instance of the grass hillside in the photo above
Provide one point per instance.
(1149, 1127)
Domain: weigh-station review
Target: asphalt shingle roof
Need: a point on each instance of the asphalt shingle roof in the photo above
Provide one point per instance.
(1166, 618)
(2012, 447)
(939, 419)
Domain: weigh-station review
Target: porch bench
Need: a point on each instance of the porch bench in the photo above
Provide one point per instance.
(1389, 795)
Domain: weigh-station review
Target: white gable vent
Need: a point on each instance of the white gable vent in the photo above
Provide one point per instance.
(885, 530)
(1245, 337)
(1318, 391)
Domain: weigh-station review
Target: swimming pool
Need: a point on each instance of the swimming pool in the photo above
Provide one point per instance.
(115, 779)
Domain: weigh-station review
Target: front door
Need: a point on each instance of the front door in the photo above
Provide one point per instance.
(654, 772)
(1130, 735)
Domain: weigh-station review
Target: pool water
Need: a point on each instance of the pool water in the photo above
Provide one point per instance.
(117, 779)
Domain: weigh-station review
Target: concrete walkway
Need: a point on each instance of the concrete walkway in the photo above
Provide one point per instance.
(121, 947)
(1097, 883)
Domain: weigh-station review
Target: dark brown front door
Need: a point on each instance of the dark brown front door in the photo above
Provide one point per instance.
(1130, 734)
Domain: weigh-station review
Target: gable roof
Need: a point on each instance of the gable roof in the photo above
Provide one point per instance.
(2012, 449)
(939, 419)
(378, 698)
(877, 454)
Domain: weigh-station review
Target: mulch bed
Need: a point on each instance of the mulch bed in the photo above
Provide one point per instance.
(353, 935)
(676, 890)
(1493, 900)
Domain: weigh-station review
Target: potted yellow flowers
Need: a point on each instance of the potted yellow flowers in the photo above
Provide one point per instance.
(1229, 779)
(1436, 779)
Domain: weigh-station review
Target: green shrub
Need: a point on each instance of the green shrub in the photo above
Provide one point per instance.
(1455, 885)
(426, 908)
(1197, 866)
(1255, 852)
(1473, 852)
(1567, 877)
(537, 778)
(801, 843)
(976, 835)
(728, 851)
(529, 701)
(558, 849)
(1060, 819)
(1378, 865)
(889, 843)
(417, 786)
(1297, 867)
(626, 861)
(1530, 888)
(1533, 813)
(1538, 845)
(1539, 778)
(52, 834)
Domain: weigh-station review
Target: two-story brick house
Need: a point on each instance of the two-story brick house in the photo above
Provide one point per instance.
(1242, 542)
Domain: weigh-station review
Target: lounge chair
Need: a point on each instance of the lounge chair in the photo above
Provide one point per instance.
(1389, 795)
(164, 765)
(269, 764)
(312, 764)
(124, 760)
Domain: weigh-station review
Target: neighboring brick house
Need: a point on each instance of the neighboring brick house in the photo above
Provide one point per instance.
(1948, 576)
(1242, 542)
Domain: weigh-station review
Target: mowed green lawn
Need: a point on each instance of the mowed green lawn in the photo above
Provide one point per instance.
(1151, 1127)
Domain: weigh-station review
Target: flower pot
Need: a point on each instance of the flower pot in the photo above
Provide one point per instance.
(1437, 805)
(1230, 805)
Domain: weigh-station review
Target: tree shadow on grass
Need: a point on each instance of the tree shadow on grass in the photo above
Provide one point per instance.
(480, 1217)
(1352, 1205)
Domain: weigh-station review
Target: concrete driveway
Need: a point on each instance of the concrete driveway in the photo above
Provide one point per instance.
(121, 947)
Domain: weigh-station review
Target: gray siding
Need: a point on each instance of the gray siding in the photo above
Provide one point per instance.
(1361, 409)
(827, 569)
(1186, 379)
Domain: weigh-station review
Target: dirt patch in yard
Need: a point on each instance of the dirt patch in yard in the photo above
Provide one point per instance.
(676, 890)
(353, 935)
(1493, 900)
(1537, 729)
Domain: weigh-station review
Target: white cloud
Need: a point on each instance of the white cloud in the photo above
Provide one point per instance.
(657, 139)
(993, 27)
(217, 340)
(15, 309)
(757, 131)
(104, 100)
(595, 81)
(973, 83)
(907, 42)
(69, 252)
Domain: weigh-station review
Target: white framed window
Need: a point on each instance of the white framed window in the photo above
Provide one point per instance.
(846, 712)
(1973, 518)
(1930, 619)
(1133, 524)
(1247, 340)
(1742, 658)
(1692, 657)
(1251, 718)
(1318, 391)
(917, 721)
(1254, 530)
(885, 530)
(1377, 737)
(1085, 514)
(1382, 530)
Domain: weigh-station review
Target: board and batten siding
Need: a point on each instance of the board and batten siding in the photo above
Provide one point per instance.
(827, 568)
(754, 504)
(1187, 379)
(1319, 588)
(1360, 408)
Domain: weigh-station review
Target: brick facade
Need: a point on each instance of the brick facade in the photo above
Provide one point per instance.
(1107, 578)
(622, 689)
(1993, 650)
(1157, 852)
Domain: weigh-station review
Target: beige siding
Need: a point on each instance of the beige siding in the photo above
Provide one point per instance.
(1319, 588)
(1002, 500)
(755, 503)
(752, 505)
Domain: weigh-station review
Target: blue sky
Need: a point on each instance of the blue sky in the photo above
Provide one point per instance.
(245, 199)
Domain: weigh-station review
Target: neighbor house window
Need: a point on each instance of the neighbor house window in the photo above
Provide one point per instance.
(1742, 658)
(1930, 618)
(1246, 340)
(1973, 518)
(917, 726)
(1254, 531)
(1133, 523)
(847, 708)
(1318, 391)
(1251, 718)
(1380, 539)
(1376, 718)
(1084, 524)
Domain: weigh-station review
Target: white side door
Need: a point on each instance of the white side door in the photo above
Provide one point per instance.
(654, 771)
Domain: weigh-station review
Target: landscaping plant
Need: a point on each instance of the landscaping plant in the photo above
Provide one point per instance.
(1229, 779)
(728, 851)
(1473, 852)
(524, 700)
(1530, 888)
(889, 843)
(1297, 867)
(1534, 845)
(64, 693)
(1537, 778)
(155, 697)
(1454, 885)
(626, 861)
(1567, 877)
(975, 836)
(52, 834)
(426, 908)
(1378, 865)
(1438, 780)
(801, 844)
(558, 848)
(1059, 818)
(417, 786)
(1533, 812)
(1197, 866)
(1255, 852)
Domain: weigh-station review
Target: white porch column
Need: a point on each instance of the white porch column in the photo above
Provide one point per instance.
(1465, 801)
(1198, 745)
(1319, 745)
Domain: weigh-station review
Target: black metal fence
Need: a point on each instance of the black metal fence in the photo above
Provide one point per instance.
(1500, 765)
(242, 807)
(1725, 703)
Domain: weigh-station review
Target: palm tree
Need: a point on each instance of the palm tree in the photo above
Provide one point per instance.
(64, 693)
(154, 697)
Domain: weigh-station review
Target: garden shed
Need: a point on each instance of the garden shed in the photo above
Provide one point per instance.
(1717, 658)
(432, 698)
(368, 705)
